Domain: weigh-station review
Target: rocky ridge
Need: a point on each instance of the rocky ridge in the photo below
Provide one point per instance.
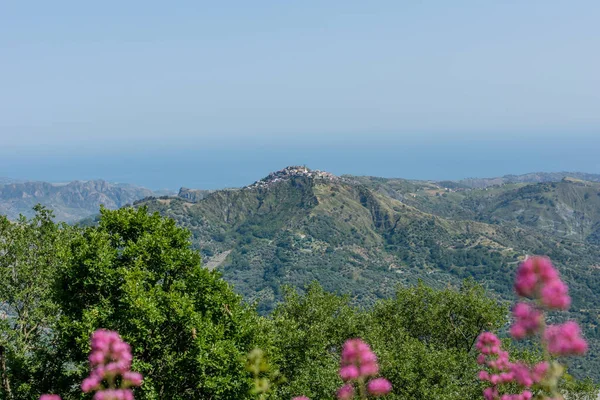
(71, 201)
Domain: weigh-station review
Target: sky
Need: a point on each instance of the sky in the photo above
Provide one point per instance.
(217, 94)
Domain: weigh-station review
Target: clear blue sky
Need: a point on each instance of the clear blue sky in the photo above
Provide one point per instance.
(212, 94)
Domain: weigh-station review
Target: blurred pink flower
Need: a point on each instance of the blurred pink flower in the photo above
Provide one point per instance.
(528, 321)
(565, 339)
(346, 392)
(379, 387)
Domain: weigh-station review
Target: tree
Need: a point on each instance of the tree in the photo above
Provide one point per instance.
(308, 332)
(31, 251)
(137, 274)
(423, 338)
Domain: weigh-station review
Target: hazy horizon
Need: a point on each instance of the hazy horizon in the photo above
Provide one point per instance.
(213, 95)
(213, 167)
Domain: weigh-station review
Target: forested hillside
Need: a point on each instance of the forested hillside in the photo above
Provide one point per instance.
(363, 236)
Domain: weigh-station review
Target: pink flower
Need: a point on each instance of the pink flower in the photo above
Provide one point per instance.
(539, 371)
(301, 398)
(50, 397)
(488, 343)
(537, 279)
(96, 357)
(369, 369)
(554, 295)
(526, 395)
(526, 280)
(521, 374)
(114, 394)
(506, 377)
(132, 378)
(501, 362)
(484, 375)
(490, 393)
(532, 273)
(349, 372)
(356, 351)
(357, 360)
(565, 339)
(91, 383)
(527, 321)
(346, 392)
(110, 357)
(379, 387)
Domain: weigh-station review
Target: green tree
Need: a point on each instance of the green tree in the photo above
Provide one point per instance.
(450, 318)
(31, 251)
(136, 273)
(308, 333)
(423, 338)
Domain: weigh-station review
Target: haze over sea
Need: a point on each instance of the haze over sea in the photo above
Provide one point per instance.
(208, 94)
(220, 164)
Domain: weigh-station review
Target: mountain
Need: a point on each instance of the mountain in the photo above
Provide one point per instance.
(193, 195)
(71, 201)
(363, 235)
(5, 180)
(568, 208)
(534, 177)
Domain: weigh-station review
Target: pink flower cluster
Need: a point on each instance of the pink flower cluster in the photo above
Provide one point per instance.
(358, 364)
(536, 279)
(503, 371)
(565, 339)
(110, 362)
(528, 321)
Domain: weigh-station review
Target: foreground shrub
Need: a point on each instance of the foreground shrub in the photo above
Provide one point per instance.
(423, 339)
(538, 282)
(358, 364)
(137, 274)
(110, 375)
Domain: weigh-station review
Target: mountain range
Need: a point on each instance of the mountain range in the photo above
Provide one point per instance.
(362, 236)
(70, 201)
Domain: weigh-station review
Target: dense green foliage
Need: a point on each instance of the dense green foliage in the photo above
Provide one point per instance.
(137, 273)
(423, 337)
(31, 251)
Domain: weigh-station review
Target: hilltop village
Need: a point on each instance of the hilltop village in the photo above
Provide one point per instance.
(289, 172)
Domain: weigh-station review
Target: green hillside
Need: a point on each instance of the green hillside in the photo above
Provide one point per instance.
(568, 208)
(363, 236)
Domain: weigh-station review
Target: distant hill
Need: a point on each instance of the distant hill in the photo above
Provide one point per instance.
(193, 195)
(71, 201)
(4, 180)
(364, 235)
(567, 208)
(534, 177)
